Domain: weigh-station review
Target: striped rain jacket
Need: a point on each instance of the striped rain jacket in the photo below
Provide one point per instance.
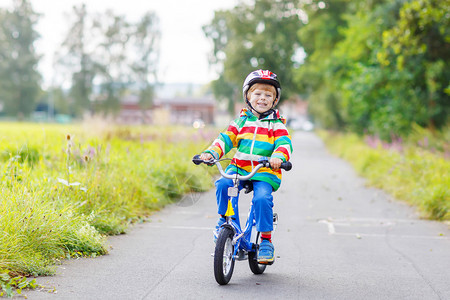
(253, 139)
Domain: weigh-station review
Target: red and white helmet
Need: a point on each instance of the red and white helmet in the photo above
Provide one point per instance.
(261, 76)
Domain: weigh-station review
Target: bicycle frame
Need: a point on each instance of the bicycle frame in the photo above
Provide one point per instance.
(242, 239)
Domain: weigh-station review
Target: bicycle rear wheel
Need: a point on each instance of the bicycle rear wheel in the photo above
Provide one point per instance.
(253, 259)
(223, 257)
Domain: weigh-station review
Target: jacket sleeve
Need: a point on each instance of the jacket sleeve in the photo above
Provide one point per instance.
(283, 143)
(225, 141)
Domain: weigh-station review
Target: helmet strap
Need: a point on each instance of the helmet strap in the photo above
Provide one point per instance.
(274, 103)
(250, 106)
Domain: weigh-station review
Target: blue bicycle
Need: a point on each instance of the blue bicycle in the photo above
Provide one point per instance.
(233, 243)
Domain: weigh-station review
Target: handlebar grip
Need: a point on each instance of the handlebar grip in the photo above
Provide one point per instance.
(197, 160)
(287, 166)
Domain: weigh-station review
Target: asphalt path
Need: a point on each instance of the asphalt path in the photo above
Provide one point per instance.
(336, 239)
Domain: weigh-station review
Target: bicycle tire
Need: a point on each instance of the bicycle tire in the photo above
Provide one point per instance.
(223, 256)
(253, 259)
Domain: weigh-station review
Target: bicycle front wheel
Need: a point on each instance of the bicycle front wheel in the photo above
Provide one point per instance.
(223, 257)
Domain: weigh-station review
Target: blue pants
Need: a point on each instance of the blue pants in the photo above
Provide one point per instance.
(262, 201)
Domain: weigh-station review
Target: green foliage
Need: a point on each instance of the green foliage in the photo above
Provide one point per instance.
(76, 57)
(111, 61)
(10, 284)
(316, 77)
(146, 40)
(37, 231)
(406, 171)
(19, 79)
(419, 45)
(84, 185)
(378, 70)
(30, 154)
(253, 35)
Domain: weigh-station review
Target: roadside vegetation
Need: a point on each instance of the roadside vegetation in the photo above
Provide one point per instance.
(65, 188)
(415, 170)
(374, 68)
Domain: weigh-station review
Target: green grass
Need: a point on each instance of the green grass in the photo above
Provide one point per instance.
(63, 189)
(409, 173)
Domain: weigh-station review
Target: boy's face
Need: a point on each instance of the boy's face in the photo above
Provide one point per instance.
(261, 97)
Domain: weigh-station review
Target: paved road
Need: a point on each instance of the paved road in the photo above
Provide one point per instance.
(336, 239)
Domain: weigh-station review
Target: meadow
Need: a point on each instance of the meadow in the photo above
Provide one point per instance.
(65, 188)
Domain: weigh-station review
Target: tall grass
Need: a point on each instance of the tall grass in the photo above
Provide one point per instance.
(408, 171)
(64, 188)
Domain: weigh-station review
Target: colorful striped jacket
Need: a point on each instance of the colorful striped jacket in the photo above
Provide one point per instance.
(253, 139)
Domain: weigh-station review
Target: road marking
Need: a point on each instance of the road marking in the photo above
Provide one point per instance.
(393, 235)
(331, 229)
(375, 220)
(181, 227)
(332, 223)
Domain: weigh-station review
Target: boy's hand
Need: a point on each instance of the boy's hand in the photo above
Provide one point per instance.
(275, 163)
(206, 156)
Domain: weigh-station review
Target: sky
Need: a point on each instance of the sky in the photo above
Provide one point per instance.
(184, 48)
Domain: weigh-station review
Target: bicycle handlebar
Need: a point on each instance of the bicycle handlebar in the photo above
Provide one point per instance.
(262, 162)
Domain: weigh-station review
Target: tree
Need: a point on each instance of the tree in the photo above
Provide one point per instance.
(145, 40)
(114, 32)
(105, 49)
(315, 77)
(19, 78)
(419, 45)
(377, 67)
(77, 56)
(260, 34)
(365, 103)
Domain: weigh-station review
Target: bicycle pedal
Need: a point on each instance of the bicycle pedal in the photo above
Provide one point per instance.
(241, 255)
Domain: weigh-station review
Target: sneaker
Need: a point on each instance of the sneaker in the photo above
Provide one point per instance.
(217, 229)
(266, 252)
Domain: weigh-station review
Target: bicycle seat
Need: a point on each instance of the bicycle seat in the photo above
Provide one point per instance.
(248, 186)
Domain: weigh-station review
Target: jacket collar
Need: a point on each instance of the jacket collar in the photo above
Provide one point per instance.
(275, 115)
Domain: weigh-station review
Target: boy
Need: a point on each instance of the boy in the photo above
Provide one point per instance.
(259, 131)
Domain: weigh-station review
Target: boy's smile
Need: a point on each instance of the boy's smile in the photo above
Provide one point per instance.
(261, 100)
